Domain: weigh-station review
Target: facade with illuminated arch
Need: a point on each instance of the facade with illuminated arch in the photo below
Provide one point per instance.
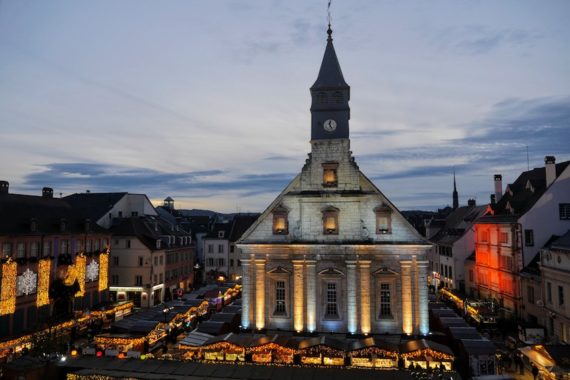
(332, 253)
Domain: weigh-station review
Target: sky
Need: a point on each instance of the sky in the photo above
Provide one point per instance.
(208, 101)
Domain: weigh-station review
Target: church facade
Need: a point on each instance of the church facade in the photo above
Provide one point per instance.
(331, 253)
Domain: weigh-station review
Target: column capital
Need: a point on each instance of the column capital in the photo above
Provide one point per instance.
(350, 262)
(405, 263)
(297, 262)
(260, 261)
(311, 262)
(364, 263)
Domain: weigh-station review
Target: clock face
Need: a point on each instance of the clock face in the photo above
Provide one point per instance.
(329, 125)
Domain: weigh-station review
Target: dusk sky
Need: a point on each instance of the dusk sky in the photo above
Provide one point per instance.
(208, 101)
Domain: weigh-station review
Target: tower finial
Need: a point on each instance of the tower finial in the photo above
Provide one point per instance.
(329, 30)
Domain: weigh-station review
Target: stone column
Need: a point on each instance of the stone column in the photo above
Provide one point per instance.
(298, 295)
(246, 296)
(423, 297)
(407, 313)
(311, 268)
(351, 309)
(365, 324)
(260, 294)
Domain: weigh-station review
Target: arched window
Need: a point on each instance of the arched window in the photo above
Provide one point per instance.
(280, 221)
(330, 177)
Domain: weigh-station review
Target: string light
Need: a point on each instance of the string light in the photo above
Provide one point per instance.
(8, 291)
(81, 266)
(44, 270)
(103, 270)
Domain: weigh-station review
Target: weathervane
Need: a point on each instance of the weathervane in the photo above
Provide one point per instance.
(329, 31)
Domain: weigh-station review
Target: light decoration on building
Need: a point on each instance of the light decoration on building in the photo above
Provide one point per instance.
(92, 272)
(8, 291)
(44, 270)
(373, 351)
(103, 271)
(106, 341)
(271, 352)
(81, 266)
(427, 356)
(26, 283)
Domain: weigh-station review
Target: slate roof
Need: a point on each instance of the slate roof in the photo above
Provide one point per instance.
(213, 234)
(562, 243)
(330, 74)
(478, 346)
(94, 205)
(457, 223)
(240, 224)
(17, 211)
(143, 227)
(520, 196)
(532, 269)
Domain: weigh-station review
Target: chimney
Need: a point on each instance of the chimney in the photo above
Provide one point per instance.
(498, 187)
(493, 199)
(47, 192)
(471, 203)
(550, 166)
(4, 186)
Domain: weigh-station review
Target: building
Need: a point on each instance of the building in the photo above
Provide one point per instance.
(54, 261)
(524, 217)
(532, 310)
(240, 224)
(452, 245)
(555, 265)
(153, 256)
(216, 251)
(331, 252)
(152, 261)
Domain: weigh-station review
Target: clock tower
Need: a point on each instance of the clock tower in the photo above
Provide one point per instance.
(330, 94)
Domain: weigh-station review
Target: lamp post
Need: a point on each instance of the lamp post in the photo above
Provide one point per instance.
(196, 272)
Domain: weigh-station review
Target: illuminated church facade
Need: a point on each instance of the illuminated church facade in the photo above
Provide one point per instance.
(331, 253)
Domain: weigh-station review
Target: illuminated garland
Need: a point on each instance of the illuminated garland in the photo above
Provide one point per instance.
(8, 291)
(266, 348)
(80, 266)
(373, 351)
(321, 349)
(427, 352)
(103, 271)
(44, 269)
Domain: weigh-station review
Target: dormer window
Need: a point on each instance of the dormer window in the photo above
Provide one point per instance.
(62, 225)
(220, 234)
(330, 221)
(330, 177)
(280, 221)
(383, 220)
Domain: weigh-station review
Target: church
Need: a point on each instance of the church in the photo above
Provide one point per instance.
(332, 253)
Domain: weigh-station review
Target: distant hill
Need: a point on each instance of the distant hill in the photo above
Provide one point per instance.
(210, 213)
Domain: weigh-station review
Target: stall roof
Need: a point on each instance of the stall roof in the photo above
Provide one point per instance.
(478, 346)
(196, 339)
(422, 344)
(281, 340)
(560, 354)
(238, 340)
(464, 333)
(225, 317)
(444, 312)
(213, 327)
(372, 342)
(324, 340)
(453, 322)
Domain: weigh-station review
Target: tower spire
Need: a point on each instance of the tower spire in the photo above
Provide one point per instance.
(455, 194)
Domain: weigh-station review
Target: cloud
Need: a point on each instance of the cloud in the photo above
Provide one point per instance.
(74, 177)
(478, 39)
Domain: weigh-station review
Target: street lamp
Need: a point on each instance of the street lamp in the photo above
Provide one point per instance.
(196, 272)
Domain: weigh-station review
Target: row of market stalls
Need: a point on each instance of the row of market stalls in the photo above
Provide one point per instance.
(552, 360)
(101, 314)
(324, 350)
(477, 354)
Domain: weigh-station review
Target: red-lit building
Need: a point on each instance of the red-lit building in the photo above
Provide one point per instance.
(533, 208)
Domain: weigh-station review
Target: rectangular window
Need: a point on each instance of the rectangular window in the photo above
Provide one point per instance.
(445, 271)
(231, 262)
(529, 238)
(160, 278)
(530, 294)
(332, 308)
(34, 249)
(115, 279)
(441, 269)
(232, 248)
(220, 248)
(20, 250)
(484, 236)
(279, 298)
(63, 247)
(506, 262)
(140, 261)
(560, 295)
(134, 213)
(210, 261)
(450, 272)
(385, 302)
(138, 280)
(155, 260)
(89, 246)
(330, 178)
(280, 223)
(503, 238)
(97, 245)
(549, 292)
(471, 275)
(210, 248)
(220, 262)
(128, 244)
(161, 260)
(155, 279)
(564, 210)
(116, 261)
(239, 263)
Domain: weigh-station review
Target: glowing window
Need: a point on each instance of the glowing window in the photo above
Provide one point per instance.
(330, 177)
(330, 222)
(484, 236)
(280, 222)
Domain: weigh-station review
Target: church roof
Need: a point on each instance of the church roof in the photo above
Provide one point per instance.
(330, 74)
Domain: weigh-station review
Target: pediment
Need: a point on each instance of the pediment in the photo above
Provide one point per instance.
(384, 271)
(279, 270)
(331, 272)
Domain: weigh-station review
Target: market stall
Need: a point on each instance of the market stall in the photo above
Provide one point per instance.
(229, 347)
(426, 354)
(121, 343)
(271, 349)
(373, 353)
(322, 350)
(553, 361)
